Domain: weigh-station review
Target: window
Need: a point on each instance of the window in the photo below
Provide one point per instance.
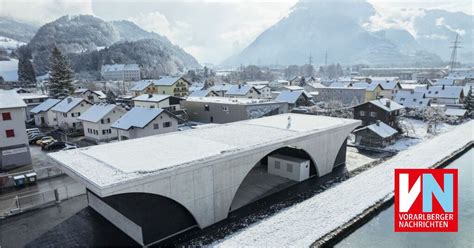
(101, 121)
(167, 124)
(156, 126)
(225, 108)
(10, 133)
(108, 120)
(103, 132)
(64, 114)
(277, 164)
(362, 113)
(289, 167)
(206, 107)
(6, 116)
(373, 114)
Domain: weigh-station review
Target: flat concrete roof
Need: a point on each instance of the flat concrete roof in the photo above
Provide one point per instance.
(104, 166)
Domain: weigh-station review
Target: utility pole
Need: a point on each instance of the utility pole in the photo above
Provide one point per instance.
(326, 58)
(310, 59)
(452, 62)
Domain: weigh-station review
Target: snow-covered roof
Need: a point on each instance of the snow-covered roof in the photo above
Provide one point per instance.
(166, 81)
(221, 87)
(10, 99)
(257, 83)
(291, 96)
(387, 84)
(45, 106)
(455, 112)
(119, 67)
(340, 84)
(196, 87)
(96, 112)
(67, 104)
(381, 129)
(382, 103)
(101, 94)
(445, 81)
(366, 86)
(293, 87)
(141, 85)
(240, 89)
(127, 162)
(412, 99)
(261, 87)
(441, 91)
(200, 93)
(151, 98)
(228, 100)
(25, 96)
(137, 117)
(80, 91)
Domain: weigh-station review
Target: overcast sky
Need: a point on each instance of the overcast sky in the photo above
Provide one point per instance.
(209, 30)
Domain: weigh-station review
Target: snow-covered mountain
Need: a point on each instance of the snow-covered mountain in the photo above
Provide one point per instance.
(15, 30)
(339, 29)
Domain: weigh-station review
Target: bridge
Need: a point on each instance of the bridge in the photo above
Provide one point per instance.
(155, 187)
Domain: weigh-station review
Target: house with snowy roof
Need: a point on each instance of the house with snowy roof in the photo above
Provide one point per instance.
(221, 89)
(442, 94)
(43, 116)
(382, 109)
(389, 88)
(141, 122)
(295, 98)
(445, 81)
(372, 90)
(243, 91)
(167, 102)
(265, 91)
(173, 86)
(68, 110)
(89, 95)
(97, 121)
(204, 93)
(120, 72)
(412, 100)
(377, 135)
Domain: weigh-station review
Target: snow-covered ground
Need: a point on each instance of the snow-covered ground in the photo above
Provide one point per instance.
(354, 159)
(306, 222)
(10, 44)
(8, 70)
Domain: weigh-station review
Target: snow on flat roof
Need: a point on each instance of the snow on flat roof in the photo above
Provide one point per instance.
(10, 99)
(113, 163)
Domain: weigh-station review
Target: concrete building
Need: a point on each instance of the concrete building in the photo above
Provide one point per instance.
(42, 114)
(243, 91)
(32, 100)
(14, 149)
(97, 121)
(346, 95)
(173, 86)
(170, 103)
(68, 110)
(141, 122)
(120, 72)
(157, 189)
(225, 110)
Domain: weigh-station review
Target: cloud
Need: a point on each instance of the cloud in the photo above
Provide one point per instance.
(441, 22)
(42, 11)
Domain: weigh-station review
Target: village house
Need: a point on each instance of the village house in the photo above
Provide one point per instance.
(68, 110)
(389, 88)
(265, 91)
(376, 135)
(297, 98)
(173, 86)
(43, 117)
(243, 91)
(346, 95)
(225, 110)
(141, 122)
(32, 100)
(372, 90)
(442, 94)
(97, 121)
(89, 95)
(14, 149)
(383, 109)
(120, 72)
(221, 89)
(204, 93)
(412, 100)
(170, 103)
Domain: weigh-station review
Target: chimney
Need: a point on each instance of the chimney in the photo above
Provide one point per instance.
(69, 100)
(387, 103)
(150, 96)
(240, 86)
(377, 122)
(443, 86)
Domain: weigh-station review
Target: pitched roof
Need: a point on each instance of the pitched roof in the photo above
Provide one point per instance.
(366, 86)
(339, 84)
(221, 87)
(45, 106)
(412, 99)
(240, 89)
(137, 117)
(151, 98)
(382, 103)
(141, 85)
(96, 112)
(101, 94)
(166, 81)
(445, 81)
(455, 112)
(381, 129)
(10, 99)
(291, 96)
(441, 91)
(67, 104)
(200, 93)
(387, 84)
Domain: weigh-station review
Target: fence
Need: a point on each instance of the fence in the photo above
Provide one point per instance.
(6, 180)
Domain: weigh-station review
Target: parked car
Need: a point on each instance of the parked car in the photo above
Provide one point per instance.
(32, 132)
(56, 145)
(45, 140)
(70, 146)
(33, 139)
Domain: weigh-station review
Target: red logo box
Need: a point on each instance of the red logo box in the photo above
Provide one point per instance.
(426, 200)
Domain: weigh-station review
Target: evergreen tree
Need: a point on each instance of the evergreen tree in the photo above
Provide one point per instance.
(60, 75)
(469, 101)
(26, 73)
(110, 97)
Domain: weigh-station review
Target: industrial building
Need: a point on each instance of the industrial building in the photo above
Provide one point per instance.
(166, 184)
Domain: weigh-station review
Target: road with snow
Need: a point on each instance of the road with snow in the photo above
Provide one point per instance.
(306, 222)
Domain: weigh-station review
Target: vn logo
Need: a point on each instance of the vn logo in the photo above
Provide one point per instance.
(426, 200)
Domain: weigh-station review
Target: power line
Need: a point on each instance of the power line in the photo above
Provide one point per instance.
(452, 61)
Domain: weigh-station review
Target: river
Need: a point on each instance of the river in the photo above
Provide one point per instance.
(378, 232)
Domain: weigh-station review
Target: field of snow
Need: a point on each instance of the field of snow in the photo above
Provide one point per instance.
(10, 44)
(8, 70)
(306, 222)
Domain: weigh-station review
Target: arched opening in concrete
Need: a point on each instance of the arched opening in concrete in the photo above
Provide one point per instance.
(276, 171)
(158, 216)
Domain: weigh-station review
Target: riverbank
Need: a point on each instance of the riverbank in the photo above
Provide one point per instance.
(313, 219)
